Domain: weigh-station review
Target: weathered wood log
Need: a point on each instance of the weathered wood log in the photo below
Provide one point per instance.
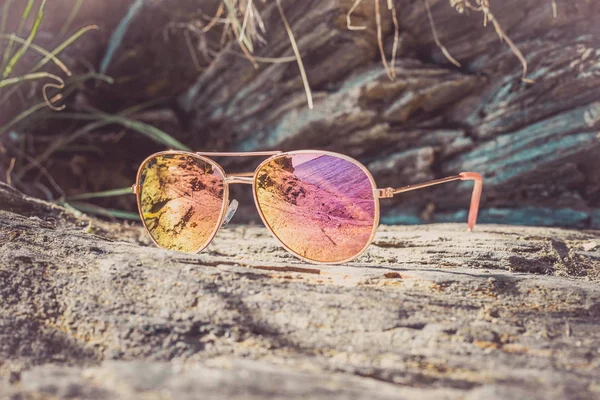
(428, 312)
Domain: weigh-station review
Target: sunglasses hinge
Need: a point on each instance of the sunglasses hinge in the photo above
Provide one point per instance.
(134, 188)
(384, 193)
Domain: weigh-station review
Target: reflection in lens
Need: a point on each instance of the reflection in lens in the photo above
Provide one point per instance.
(320, 206)
(181, 200)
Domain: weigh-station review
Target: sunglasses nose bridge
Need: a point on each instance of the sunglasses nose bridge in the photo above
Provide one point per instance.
(239, 179)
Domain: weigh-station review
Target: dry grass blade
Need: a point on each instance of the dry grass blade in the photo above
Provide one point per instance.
(512, 46)
(232, 13)
(436, 38)
(392, 8)
(192, 51)
(380, 40)
(9, 171)
(247, 51)
(214, 19)
(349, 18)
(36, 25)
(483, 6)
(309, 98)
(247, 16)
(51, 100)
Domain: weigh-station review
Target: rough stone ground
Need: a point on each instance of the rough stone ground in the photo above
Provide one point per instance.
(429, 312)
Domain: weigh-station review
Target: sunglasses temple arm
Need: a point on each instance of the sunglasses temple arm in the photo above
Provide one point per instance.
(463, 176)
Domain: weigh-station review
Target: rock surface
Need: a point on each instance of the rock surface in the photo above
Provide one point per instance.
(536, 144)
(89, 311)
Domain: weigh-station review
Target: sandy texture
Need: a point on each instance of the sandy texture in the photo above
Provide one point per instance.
(428, 312)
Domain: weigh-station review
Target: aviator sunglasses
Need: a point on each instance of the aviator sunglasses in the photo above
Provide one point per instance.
(323, 207)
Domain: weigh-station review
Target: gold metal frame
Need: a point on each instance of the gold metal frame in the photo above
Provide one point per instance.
(251, 178)
(224, 206)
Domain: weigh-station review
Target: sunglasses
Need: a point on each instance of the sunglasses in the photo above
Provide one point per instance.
(323, 207)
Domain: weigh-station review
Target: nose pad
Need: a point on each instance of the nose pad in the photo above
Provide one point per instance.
(230, 212)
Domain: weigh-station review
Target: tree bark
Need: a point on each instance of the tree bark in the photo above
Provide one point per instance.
(427, 312)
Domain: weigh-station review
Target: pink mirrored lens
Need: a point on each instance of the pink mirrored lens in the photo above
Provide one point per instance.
(181, 200)
(320, 206)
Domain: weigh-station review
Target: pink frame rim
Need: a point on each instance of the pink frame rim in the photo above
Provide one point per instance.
(333, 154)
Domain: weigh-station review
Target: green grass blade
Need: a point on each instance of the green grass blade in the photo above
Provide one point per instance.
(9, 46)
(53, 56)
(90, 75)
(106, 193)
(22, 116)
(231, 10)
(152, 132)
(63, 46)
(105, 212)
(148, 130)
(36, 25)
(71, 18)
(66, 92)
(40, 50)
(30, 77)
(60, 143)
(4, 16)
(8, 49)
(25, 15)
